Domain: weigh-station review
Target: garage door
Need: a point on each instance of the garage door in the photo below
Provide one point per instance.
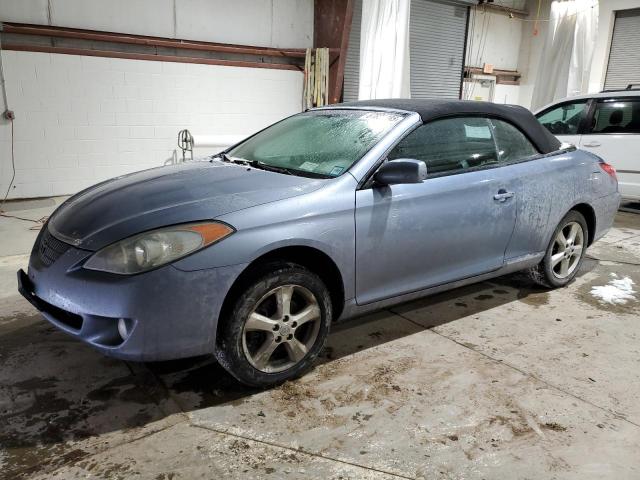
(352, 65)
(437, 43)
(624, 57)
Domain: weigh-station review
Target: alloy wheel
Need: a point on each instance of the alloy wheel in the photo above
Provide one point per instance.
(281, 329)
(568, 247)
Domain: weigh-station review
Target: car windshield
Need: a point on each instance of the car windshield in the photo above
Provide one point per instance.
(321, 143)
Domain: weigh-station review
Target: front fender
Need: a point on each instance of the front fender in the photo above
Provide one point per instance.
(323, 220)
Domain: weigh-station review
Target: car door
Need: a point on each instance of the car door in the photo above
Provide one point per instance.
(566, 120)
(456, 224)
(539, 184)
(614, 134)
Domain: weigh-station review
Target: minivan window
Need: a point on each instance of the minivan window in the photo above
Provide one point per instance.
(564, 119)
(616, 116)
(449, 145)
(320, 143)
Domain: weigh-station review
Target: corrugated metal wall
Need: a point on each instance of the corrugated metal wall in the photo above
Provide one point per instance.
(352, 66)
(437, 48)
(437, 42)
(624, 57)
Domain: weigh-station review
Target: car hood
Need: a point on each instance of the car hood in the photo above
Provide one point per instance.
(124, 206)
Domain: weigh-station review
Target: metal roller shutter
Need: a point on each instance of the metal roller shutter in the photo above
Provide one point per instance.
(352, 65)
(437, 42)
(624, 57)
(437, 39)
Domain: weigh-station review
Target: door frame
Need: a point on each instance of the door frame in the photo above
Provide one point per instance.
(367, 180)
(584, 123)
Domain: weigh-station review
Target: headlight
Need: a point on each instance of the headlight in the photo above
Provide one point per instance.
(157, 247)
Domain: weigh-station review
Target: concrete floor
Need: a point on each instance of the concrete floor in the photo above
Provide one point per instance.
(494, 380)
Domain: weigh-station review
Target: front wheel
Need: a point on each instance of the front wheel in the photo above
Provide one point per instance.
(276, 327)
(564, 254)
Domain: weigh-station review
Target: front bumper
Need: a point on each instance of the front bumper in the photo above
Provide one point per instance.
(169, 313)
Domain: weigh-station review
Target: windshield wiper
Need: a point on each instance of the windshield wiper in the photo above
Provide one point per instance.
(271, 168)
(226, 158)
(289, 171)
(222, 156)
(240, 161)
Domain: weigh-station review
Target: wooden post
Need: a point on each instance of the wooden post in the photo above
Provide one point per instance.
(332, 25)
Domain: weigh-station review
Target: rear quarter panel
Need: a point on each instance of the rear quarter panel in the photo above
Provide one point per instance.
(548, 188)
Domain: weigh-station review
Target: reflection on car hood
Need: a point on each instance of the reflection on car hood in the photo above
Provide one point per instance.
(124, 206)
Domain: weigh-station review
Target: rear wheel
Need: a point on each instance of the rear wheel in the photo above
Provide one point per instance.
(277, 327)
(564, 254)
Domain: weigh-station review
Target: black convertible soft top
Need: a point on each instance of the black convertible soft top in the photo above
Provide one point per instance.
(434, 109)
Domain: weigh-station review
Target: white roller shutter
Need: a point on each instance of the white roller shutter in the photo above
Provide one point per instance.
(437, 42)
(624, 57)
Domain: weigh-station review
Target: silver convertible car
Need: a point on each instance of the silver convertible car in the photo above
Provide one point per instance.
(325, 215)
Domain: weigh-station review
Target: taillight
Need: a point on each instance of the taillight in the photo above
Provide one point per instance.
(609, 169)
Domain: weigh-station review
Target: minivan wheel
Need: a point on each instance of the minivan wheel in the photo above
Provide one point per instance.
(276, 327)
(564, 254)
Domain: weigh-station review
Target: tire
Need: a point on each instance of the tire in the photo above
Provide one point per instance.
(262, 343)
(551, 271)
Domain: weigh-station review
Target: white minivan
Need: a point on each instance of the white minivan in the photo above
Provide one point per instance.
(607, 124)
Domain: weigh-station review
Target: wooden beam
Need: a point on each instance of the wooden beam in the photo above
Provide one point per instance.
(147, 56)
(496, 72)
(92, 35)
(332, 24)
(503, 77)
(500, 81)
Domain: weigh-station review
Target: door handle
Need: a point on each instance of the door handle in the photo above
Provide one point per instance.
(503, 195)
(592, 144)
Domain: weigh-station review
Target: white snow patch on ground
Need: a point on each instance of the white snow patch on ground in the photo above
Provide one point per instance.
(617, 291)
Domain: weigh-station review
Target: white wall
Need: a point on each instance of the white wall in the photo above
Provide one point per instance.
(277, 23)
(506, 94)
(80, 120)
(512, 44)
(606, 20)
(495, 40)
(531, 47)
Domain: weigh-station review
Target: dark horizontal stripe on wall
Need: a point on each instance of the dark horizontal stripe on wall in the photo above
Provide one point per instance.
(144, 56)
(41, 38)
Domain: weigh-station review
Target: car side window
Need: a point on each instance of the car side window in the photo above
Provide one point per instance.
(449, 145)
(564, 119)
(511, 142)
(616, 116)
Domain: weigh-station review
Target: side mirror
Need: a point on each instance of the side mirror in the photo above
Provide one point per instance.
(402, 170)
